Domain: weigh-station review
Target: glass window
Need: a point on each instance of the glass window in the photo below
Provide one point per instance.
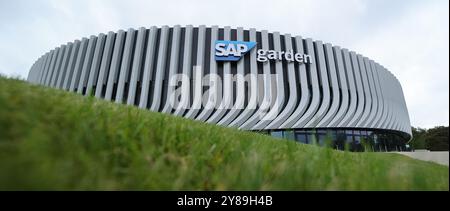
(340, 135)
(277, 134)
(311, 138)
(322, 138)
(339, 143)
(289, 134)
(333, 135)
(357, 139)
(357, 144)
(321, 131)
(301, 137)
(299, 131)
(349, 138)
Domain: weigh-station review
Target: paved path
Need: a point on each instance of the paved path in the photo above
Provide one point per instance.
(438, 157)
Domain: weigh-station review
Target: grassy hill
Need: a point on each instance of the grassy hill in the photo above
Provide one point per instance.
(51, 139)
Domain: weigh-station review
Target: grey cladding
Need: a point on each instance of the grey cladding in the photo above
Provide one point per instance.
(340, 89)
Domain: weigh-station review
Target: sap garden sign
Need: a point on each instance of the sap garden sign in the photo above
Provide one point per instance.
(234, 50)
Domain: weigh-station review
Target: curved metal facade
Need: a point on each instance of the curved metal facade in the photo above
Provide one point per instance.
(339, 89)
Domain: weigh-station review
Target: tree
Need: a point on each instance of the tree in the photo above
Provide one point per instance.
(418, 140)
(437, 138)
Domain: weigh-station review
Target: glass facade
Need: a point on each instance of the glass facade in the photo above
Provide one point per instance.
(355, 140)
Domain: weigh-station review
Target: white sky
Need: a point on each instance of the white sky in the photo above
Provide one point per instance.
(409, 37)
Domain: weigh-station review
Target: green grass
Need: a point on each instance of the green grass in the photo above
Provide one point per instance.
(51, 139)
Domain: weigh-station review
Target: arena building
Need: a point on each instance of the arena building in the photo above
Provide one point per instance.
(282, 85)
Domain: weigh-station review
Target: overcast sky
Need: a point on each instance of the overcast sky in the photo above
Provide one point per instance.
(409, 37)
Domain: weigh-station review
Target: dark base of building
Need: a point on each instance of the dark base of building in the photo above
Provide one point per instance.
(351, 139)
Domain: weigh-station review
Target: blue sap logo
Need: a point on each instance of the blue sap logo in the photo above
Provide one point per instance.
(232, 50)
